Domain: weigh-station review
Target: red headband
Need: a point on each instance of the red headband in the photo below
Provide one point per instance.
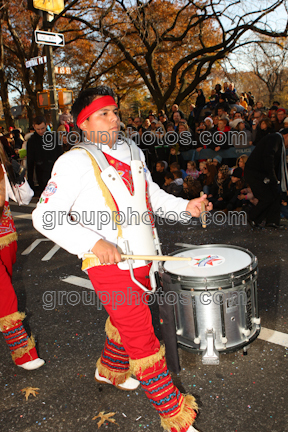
(96, 105)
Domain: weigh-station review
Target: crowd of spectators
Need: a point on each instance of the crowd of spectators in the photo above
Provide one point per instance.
(170, 143)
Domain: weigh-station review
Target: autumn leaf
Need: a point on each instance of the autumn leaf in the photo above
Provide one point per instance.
(30, 390)
(105, 417)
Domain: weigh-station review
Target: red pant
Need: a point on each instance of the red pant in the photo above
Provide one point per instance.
(133, 320)
(8, 299)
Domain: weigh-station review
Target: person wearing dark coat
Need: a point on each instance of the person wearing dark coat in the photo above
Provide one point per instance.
(266, 174)
(40, 156)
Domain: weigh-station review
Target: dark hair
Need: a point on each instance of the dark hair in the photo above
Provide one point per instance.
(86, 97)
(177, 174)
(169, 175)
(175, 165)
(39, 119)
(161, 163)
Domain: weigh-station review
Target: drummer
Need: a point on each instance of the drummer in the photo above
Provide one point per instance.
(76, 187)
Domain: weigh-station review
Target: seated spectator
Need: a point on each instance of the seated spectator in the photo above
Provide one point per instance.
(191, 188)
(240, 163)
(158, 176)
(222, 136)
(243, 139)
(176, 121)
(173, 183)
(176, 157)
(207, 178)
(175, 108)
(234, 188)
(281, 115)
(192, 170)
(146, 125)
(217, 161)
(208, 121)
(218, 192)
(185, 137)
(163, 119)
(264, 128)
(222, 104)
(246, 195)
(175, 166)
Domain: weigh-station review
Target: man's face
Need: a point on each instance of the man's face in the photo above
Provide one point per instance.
(159, 168)
(281, 115)
(220, 112)
(137, 121)
(40, 129)
(176, 117)
(257, 116)
(221, 125)
(237, 116)
(174, 108)
(103, 126)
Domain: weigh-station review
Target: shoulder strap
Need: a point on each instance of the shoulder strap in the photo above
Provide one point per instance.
(98, 155)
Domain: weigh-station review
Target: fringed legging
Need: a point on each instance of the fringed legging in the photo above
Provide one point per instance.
(131, 346)
(21, 346)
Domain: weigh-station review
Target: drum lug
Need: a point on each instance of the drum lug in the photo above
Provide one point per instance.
(197, 341)
(210, 355)
(246, 332)
(179, 278)
(256, 321)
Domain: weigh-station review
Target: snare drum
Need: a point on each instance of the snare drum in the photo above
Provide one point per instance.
(214, 297)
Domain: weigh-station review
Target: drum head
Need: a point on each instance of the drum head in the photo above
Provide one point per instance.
(210, 260)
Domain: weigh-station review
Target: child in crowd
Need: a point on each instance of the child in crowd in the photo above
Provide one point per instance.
(217, 161)
(173, 183)
(192, 170)
(191, 188)
(219, 189)
(158, 176)
(175, 156)
(235, 186)
(207, 178)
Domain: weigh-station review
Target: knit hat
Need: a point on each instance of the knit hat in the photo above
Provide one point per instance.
(285, 120)
(218, 159)
(238, 172)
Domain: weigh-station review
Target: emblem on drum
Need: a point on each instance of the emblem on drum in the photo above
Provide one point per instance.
(210, 260)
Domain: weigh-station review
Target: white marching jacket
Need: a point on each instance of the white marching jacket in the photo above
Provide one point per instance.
(73, 191)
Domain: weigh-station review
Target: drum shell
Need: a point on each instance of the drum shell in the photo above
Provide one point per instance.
(235, 322)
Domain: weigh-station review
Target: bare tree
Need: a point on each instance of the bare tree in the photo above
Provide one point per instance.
(196, 34)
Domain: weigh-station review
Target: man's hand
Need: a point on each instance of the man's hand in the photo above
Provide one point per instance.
(106, 252)
(194, 206)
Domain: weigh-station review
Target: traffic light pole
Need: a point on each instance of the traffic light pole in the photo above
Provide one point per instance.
(52, 80)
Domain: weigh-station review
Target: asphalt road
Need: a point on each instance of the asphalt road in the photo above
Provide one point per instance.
(241, 394)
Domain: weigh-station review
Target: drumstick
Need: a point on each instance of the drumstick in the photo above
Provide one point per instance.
(203, 214)
(146, 257)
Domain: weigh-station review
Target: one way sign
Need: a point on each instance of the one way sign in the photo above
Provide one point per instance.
(48, 38)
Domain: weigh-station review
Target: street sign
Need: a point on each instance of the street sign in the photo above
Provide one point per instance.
(36, 61)
(62, 70)
(48, 38)
(54, 6)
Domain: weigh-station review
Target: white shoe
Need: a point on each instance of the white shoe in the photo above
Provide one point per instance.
(129, 384)
(33, 364)
(192, 429)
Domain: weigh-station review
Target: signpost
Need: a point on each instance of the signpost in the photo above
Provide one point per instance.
(36, 61)
(49, 38)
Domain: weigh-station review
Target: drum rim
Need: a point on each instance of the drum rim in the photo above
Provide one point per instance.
(244, 271)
